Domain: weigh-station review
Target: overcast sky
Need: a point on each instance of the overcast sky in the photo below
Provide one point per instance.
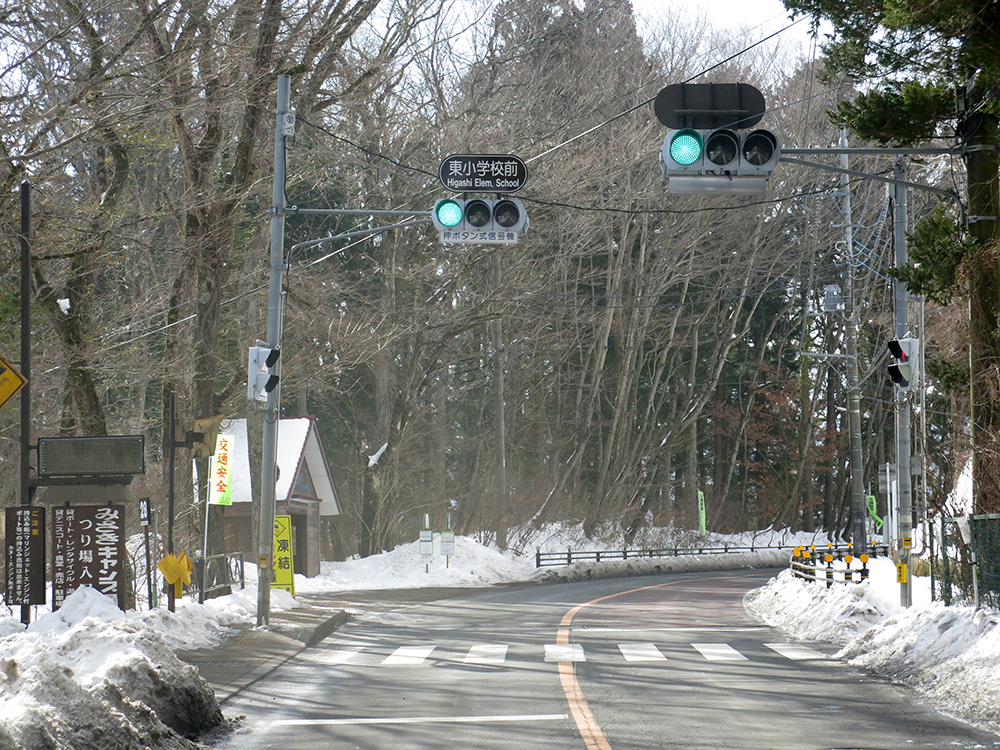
(763, 17)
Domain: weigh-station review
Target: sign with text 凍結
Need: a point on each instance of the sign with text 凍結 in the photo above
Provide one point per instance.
(284, 565)
(220, 472)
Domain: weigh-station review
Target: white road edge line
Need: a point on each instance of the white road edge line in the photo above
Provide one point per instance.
(419, 720)
(691, 628)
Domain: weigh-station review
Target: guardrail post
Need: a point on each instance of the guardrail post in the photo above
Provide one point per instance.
(794, 565)
(569, 555)
(538, 557)
(598, 556)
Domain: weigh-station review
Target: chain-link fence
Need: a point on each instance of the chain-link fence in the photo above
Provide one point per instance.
(966, 559)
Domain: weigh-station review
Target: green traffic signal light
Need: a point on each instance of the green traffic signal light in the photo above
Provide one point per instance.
(449, 213)
(686, 147)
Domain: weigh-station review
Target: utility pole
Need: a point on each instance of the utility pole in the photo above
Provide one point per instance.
(496, 329)
(859, 540)
(900, 303)
(284, 130)
(904, 482)
(269, 452)
(27, 492)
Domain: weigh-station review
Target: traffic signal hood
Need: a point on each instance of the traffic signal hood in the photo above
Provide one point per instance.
(720, 160)
(261, 378)
(480, 220)
(906, 356)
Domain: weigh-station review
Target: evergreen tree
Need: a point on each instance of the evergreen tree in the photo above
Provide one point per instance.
(916, 56)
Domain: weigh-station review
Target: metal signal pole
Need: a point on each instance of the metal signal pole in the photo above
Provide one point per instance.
(859, 539)
(901, 325)
(269, 453)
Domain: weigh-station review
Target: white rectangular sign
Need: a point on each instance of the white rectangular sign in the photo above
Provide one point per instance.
(447, 542)
(426, 542)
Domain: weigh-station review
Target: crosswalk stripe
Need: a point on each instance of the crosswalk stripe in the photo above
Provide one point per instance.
(564, 652)
(641, 652)
(496, 653)
(486, 653)
(408, 655)
(344, 655)
(795, 651)
(718, 652)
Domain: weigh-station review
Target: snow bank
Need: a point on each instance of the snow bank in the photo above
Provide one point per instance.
(472, 565)
(647, 566)
(92, 676)
(88, 676)
(949, 654)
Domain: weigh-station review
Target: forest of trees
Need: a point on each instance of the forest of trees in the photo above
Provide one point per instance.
(652, 345)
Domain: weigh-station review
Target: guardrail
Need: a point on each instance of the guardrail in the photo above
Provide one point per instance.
(215, 575)
(833, 564)
(550, 559)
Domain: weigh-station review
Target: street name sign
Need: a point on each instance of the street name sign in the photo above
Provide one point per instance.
(483, 173)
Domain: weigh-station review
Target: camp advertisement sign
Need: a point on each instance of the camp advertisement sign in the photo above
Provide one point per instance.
(220, 472)
(284, 569)
(88, 548)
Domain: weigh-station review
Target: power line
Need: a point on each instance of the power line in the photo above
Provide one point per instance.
(649, 101)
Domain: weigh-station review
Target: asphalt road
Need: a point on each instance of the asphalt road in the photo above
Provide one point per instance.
(666, 662)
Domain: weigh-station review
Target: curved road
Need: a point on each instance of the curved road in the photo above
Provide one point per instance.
(666, 662)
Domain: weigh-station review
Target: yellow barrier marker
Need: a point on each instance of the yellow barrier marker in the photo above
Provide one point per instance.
(176, 571)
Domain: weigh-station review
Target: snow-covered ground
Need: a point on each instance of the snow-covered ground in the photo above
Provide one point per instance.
(92, 676)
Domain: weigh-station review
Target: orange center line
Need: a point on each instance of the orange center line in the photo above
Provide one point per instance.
(586, 724)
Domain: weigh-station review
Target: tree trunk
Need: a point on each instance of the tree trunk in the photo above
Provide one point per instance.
(984, 313)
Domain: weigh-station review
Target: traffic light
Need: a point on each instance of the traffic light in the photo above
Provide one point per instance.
(261, 378)
(906, 355)
(480, 220)
(718, 160)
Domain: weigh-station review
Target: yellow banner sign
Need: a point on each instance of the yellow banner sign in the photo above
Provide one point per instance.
(220, 472)
(284, 568)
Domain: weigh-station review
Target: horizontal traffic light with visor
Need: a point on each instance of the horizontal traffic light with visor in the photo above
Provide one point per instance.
(261, 378)
(480, 220)
(906, 356)
(712, 145)
(719, 160)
